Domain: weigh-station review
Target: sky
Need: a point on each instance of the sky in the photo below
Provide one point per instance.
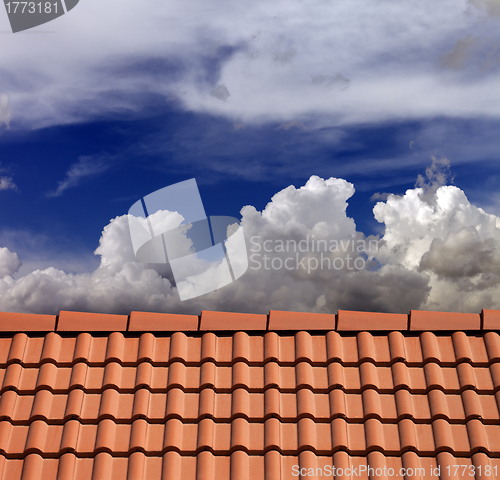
(353, 121)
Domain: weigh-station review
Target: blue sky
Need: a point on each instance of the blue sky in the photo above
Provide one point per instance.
(109, 103)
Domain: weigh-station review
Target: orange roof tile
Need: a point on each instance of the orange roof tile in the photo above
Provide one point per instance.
(300, 321)
(162, 322)
(357, 321)
(91, 322)
(232, 321)
(420, 320)
(20, 322)
(249, 400)
(491, 319)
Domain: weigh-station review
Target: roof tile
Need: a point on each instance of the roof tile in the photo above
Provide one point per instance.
(237, 404)
(217, 321)
(279, 320)
(162, 322)
(22, 322)
(91, 322)
(491, 319)
(358, 321)
(435, 321)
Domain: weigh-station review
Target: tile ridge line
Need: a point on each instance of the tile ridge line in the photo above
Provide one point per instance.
(417, 321)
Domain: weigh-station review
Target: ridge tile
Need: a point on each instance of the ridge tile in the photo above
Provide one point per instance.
(433, 321)
(359, 321)
(281, 320)
(236, 404)
(228, 321)
(491, 319)
(91, 322)
(26, 322)
(165, 322)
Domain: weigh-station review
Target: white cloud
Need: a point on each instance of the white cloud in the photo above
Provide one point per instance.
(9, 262)
(7, 183)
(266, 61)
(86, 167)
(42, 250)
(455, 242)
(440, 253)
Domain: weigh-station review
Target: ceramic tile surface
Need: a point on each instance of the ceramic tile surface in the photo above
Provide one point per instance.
(255, 404)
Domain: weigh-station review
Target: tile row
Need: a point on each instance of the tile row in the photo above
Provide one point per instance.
(240, 375)
(352, 349)
(226, 321)
(254, 438)
(192, 407)
(241, 466)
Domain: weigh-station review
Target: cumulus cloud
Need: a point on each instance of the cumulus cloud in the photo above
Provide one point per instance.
(86, 167)
(437, 252)
(271, 57)
(464, 255)
(9, 263)
(456, 243)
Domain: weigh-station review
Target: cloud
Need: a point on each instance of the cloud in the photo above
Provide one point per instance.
(6, 183)
(437, 252)
(464, 255)
(456, 243)
(9, 262)
(271, 57)
(436, 175)
(40, 250)
(85, 168)
(379, 196)
(5, 111)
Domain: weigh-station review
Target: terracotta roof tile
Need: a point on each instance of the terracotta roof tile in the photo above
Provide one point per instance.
(422, 320)
(248, 404)
(91, 322)
(164, 322)
(491, 319)
(216, 321)
(356, 321)
(20, 322)
(300, 321)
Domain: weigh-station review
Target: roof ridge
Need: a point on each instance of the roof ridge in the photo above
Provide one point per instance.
(276, 320)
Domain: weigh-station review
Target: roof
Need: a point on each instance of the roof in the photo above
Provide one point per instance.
(231, 396)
